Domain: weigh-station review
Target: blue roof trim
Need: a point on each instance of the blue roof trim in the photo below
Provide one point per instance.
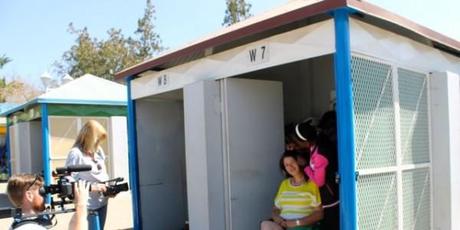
(62, 101)
(7, 106)
(82, 102)
(19, 107)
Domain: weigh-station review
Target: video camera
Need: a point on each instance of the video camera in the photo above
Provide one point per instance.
(64, 188)
(113, 188)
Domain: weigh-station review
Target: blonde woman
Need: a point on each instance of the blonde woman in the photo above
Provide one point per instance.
(87, 151)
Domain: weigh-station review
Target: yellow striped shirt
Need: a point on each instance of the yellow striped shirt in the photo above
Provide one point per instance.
(297, 201)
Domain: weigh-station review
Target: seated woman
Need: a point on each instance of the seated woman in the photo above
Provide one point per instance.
(298, 202)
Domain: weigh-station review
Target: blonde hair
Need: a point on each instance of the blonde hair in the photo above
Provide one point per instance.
(90, 136)
(19, 184)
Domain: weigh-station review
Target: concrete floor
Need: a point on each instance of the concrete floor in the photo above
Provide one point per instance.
(119, 214)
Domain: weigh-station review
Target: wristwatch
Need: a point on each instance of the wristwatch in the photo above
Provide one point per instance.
(297, 222)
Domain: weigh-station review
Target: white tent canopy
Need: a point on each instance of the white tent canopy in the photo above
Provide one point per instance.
(87, 88)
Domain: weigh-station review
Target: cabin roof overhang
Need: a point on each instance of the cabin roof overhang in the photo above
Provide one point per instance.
(286, 18)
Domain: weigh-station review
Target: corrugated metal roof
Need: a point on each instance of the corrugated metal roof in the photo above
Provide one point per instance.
(290, 16)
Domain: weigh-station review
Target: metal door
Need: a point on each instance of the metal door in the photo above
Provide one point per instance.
(253, 143)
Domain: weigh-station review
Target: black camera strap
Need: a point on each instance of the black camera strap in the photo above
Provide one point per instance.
(42, 220)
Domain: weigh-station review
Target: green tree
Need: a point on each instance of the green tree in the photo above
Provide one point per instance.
(3, 60)
(103, 58)
(16, 90)
(148, 42)
(237, 10)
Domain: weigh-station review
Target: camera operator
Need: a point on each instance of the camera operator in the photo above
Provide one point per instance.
(23, 192)
(87, 151)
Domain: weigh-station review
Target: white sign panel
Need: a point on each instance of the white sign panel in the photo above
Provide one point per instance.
(161, 81)
(258, 54)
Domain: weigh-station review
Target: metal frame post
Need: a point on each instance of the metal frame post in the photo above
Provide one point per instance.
(8, 148)
(345, 121)
(94, 221)
(132, 158)
(45, 146)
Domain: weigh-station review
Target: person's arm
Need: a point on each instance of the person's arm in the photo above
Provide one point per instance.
(73, 158)
(317, 169)
(276, 216)
(276, 210)
(316, 216)
(97, 186)
(78, 221)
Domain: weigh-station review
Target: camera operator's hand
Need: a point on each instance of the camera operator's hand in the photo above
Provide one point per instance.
(81, 189)
(81, 193)
(98, 188)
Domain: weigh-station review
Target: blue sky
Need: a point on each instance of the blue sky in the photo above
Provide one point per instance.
(34, 33)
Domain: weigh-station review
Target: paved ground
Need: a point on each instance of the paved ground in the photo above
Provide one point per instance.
(118, 216)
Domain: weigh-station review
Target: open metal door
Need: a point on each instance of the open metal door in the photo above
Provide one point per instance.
(234, 139)
(253, 137)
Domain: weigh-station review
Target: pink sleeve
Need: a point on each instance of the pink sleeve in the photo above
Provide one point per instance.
(317, 169)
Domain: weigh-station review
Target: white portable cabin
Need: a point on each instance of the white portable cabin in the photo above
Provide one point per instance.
(42, 131)
(206, 120)
(3, 157)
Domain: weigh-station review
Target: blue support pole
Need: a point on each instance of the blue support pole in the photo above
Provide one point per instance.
(94, 221)
(345, 128)
(8, 148)
(46, 148)
(132, 156)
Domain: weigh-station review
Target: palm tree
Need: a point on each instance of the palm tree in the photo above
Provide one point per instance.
(3, 60)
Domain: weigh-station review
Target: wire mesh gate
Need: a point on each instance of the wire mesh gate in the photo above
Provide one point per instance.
(392, 149)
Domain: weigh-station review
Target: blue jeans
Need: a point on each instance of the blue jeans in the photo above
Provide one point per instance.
(101, 214)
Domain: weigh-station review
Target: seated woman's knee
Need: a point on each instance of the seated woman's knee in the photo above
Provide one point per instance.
(269, 225)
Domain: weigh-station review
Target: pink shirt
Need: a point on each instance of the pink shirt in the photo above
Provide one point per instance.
(316, 171)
